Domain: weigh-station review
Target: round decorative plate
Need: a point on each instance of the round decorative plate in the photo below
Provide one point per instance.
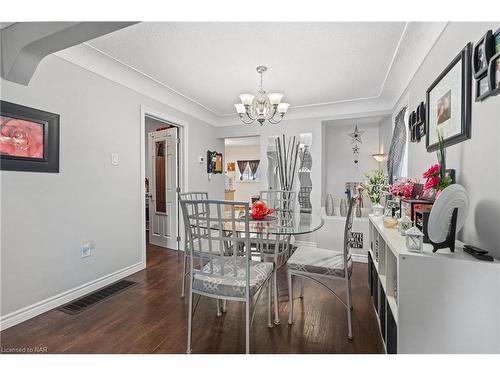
(454, 196)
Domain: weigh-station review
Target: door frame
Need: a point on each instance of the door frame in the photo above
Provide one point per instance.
(182, 156)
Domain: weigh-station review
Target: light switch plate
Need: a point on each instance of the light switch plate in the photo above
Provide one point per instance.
(86, 248)
(114, 159)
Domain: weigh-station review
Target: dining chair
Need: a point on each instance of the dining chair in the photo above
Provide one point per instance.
(276, 248)
(318, 264)
(195, 195)
(223, 270)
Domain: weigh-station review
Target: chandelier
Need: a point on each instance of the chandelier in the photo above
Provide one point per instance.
(261, 107)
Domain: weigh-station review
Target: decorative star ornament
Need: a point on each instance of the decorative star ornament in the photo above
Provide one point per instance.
(355, 149)
(356, 135)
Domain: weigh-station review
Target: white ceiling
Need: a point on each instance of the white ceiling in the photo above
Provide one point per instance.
(326, 70)
(212, 63)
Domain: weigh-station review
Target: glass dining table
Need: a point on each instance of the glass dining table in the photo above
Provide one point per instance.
(291, 225)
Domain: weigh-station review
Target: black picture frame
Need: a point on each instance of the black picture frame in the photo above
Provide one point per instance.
(494, 90)
(50, 121)
(412, 120)
(214, 158)
(483, 50)
(481, 95)
(464, 59)
(420, 113)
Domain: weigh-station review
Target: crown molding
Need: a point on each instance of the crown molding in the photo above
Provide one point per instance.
(108, 67)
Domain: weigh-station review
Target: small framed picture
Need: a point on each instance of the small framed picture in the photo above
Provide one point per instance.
(483, 50)
(421, 113)
(494, 75)
(496, 41)
(412, 120)
(482, 88)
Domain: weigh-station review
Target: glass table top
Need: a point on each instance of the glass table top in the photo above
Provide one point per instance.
(298, 223)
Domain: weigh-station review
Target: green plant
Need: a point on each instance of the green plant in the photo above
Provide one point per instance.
(375, 185)
(444, 180)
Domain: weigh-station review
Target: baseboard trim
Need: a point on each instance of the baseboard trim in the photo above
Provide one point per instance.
(50, 303)
(360, 258)
(306, 243)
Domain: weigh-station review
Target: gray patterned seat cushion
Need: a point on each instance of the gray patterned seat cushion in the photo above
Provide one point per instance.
(225, 284)
(319, 261)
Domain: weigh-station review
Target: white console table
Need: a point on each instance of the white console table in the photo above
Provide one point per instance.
(439, 302)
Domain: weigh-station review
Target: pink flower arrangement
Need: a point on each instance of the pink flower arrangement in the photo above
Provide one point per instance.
(432, 171)
(402, 188)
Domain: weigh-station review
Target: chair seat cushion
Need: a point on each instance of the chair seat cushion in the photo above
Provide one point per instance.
(225, 284)
(319, 261)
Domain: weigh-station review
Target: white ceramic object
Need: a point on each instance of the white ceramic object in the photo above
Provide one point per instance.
(377, 209)
(454, 196)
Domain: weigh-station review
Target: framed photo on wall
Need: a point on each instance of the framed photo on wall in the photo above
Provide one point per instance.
(448, 103)
(482, 54)
(29, 139)
(494, 66)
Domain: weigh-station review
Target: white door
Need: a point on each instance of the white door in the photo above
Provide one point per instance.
(163, 229)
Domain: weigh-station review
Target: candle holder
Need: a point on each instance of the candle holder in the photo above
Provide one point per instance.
(414, 240)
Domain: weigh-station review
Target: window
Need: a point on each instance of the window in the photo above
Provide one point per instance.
(251, 171)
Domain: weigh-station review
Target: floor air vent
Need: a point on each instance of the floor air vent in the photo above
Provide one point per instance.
(90, 300)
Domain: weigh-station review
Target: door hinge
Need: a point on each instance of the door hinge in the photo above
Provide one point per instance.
(178, 140)
(178, 190)
(178, 239)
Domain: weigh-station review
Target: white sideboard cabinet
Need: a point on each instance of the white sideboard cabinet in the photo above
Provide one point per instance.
(443, 302)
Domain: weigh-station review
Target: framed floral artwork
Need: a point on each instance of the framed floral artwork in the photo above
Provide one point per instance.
(29, 139)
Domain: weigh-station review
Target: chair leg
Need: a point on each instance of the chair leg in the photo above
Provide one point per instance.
(184, 273)
(190, 322)
(247, 326)
(224, 305)
(269, 303)
(290, 297)
(349, 308)
(276, 303)
(218, 308)
(301, 287)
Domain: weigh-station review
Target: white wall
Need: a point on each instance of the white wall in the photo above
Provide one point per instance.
(244, 190)
(45, 217)
(339, 159)
(477, 161)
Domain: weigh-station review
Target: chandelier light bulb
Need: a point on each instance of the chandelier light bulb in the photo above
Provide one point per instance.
(240, 108)
(247, 99)
(275, 98)
(283, 108)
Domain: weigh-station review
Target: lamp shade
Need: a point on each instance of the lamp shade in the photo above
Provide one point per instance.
(240, 108)
(247, 99)
(380, 157)
(283, 107)
(275, 98)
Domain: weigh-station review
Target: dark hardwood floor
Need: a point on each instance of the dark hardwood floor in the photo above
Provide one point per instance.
(150, 317)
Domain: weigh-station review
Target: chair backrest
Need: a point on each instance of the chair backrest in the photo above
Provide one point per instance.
(220, 238)
(191, 195)
(348, 230)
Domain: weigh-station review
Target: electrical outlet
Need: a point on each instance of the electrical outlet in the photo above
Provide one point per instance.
(86, 248)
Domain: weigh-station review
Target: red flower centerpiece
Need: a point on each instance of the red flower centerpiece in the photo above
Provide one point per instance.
(259, 210)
